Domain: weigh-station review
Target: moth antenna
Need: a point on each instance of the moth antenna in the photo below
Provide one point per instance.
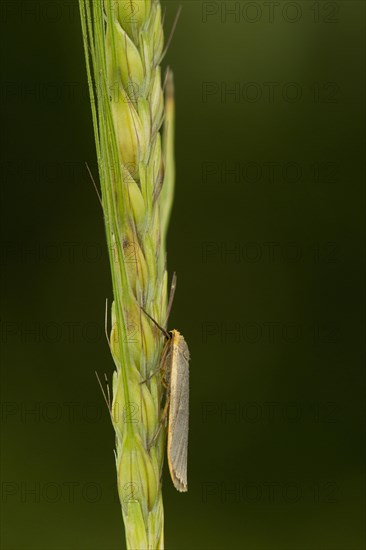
(172, 32)
(165, 332)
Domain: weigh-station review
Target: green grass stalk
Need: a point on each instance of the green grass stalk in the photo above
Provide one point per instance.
(123, 44)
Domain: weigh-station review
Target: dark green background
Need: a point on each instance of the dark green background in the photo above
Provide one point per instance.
(286, 476)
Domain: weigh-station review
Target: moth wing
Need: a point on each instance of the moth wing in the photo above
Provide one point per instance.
(179, 416)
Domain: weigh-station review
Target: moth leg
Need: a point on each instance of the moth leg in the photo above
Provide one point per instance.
(161, 422)
(161, 366)
(150, 376)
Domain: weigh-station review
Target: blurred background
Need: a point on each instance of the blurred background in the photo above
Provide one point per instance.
(267, 240)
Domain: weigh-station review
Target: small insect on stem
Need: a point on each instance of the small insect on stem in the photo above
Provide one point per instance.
(174, 364)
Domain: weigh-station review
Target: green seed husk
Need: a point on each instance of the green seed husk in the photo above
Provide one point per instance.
(123, 45)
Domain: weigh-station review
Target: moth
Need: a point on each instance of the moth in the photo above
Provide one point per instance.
(174, 365)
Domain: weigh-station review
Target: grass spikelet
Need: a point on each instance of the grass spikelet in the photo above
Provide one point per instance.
(123, 43)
